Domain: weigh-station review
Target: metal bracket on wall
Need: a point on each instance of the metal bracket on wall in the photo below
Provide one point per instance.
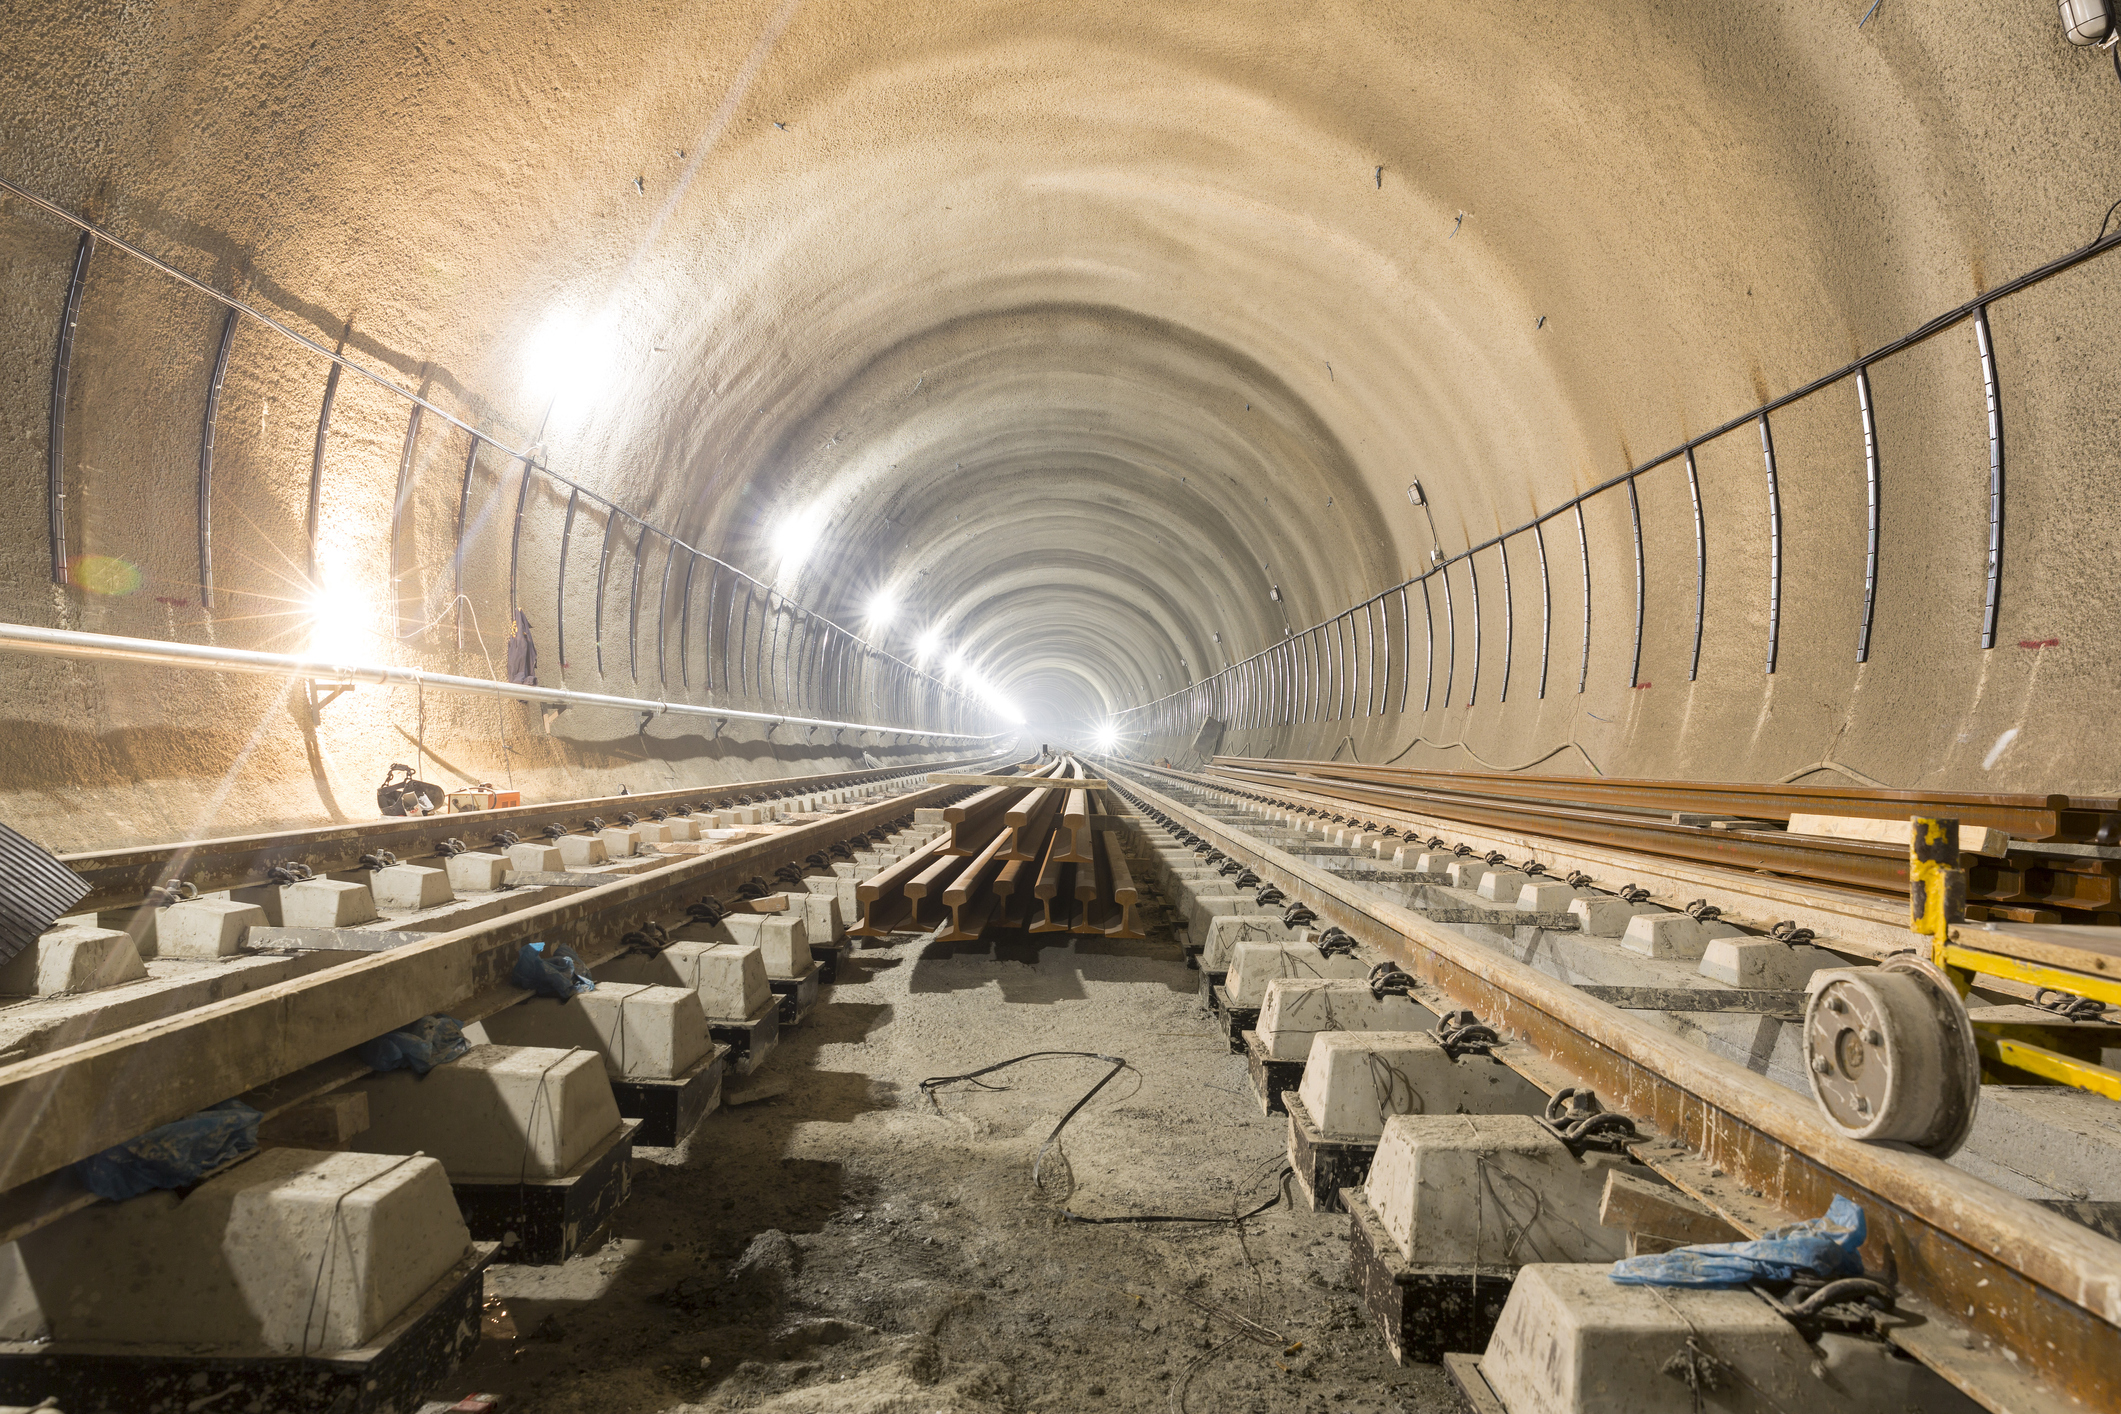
(646, 718)
(551, 712)
(319, 695)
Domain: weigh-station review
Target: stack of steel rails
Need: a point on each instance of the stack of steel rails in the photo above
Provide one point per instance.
(1037, 852)
(2044, 858)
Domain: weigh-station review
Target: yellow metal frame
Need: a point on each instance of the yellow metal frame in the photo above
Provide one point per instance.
(2047, 1064)
(1934, 887)
(1959, 959)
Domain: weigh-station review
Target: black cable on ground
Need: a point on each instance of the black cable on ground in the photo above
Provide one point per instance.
(929, 1086)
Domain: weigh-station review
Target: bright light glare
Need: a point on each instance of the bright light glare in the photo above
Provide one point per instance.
(1106, 738)
(924, 647)
(338, 614)
(882, 609)
(795, 538)
(573, 361)
(975, 682)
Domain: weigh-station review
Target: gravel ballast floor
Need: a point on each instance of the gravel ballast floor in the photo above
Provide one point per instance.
(851, 1244)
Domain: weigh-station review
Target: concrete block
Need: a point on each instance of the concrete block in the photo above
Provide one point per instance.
(649, 832)
(1255, 964)
(1503, 885)
(582, 851)
(1665, 935)
(477, 873)
(410, 886)
(928, 817)
(497, 1113)
(1223, 933)
(291, 1250)
(72, 960)
(1603, 916)
(142, 925)
(781, 938)
(1546, 896)
(1356, 1080)
(1212, 899)
(264, 897)
(536, 858)
(728, 978)
(326, 903)
(1465, 871)
(207, 927)
(681, 828)
(822, 918)
(327, 1122)
(1488, 1189)
(1571, 1341)
(1763, 962)
(644, 1032)
(619, 841)
(1297, 1009)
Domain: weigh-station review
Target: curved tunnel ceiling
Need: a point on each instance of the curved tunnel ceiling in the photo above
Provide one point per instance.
(1106, 339)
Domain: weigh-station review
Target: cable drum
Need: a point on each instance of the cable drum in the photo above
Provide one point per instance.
(1890, 1055)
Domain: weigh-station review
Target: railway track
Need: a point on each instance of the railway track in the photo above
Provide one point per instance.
(277, 1032)
(2014, 1304)
(2059, 860)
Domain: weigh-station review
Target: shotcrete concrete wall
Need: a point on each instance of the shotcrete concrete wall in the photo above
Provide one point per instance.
(1106, 339)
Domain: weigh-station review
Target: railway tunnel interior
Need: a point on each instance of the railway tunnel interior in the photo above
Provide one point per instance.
(1088, 354)
(1685, 393)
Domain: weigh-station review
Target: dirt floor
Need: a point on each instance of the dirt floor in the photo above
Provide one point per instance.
(851, 1245)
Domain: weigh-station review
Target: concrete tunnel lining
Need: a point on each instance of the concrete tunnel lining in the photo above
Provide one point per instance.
(1094, 259)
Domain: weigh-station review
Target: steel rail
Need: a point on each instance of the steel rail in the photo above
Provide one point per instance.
(316, 470)
(1701, 564)
(55, 421)
(1993, 395)
(407, 469)
(1546, 610)
(66, 1104)
(1871, 498)
(121, 878)
(2018, 1306)
(69, 643)
(206, 467)
(2019, 881)
(2023, 816)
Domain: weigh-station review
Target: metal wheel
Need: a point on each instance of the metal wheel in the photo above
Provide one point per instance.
(1890, 1055)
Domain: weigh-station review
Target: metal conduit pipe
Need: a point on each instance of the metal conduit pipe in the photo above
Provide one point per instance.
(105, 647)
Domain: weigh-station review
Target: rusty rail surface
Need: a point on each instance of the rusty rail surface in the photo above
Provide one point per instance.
(2029, 884)
(2017, 1306)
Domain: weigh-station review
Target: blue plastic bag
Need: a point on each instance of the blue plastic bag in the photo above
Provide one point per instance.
(174, 1155)
(551, 970)
(419, 1048)
(1825, 1247)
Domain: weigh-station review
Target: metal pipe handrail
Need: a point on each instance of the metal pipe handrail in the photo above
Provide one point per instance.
(106, 647)
(340, 360)
(1858, 368)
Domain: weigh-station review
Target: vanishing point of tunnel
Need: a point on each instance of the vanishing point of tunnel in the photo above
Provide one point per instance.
(517, 516)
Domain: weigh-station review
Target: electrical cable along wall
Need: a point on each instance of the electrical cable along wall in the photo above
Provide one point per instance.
(767, 652)
(1335, 671)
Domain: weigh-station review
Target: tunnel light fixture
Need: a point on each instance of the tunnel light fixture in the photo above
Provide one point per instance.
(882, 609)
(1106, 737)
(1415, 495)
(571, 361)
(337, 612)
(924, 647)
(794, 537)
